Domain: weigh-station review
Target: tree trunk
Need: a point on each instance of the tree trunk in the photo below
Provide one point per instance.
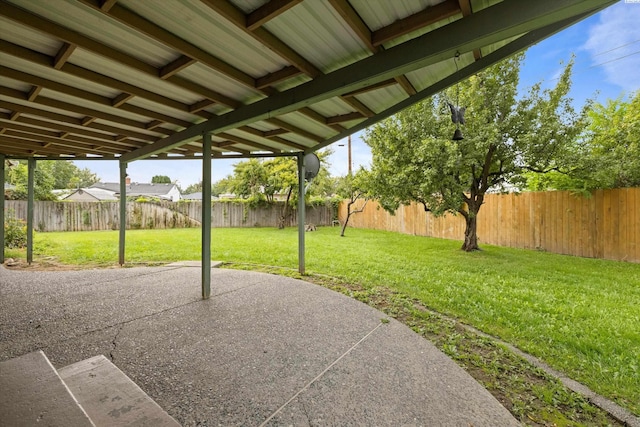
(471, 233)
(346, 221)
(285, 210)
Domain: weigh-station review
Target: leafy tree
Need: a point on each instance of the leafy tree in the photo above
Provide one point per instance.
(354, 188)
(43, 182)
(82, 178)
(160, 179)
(193, 188)
(414, 158)
(249, 179)
(261, 180)
(49, 175)
(606, 156)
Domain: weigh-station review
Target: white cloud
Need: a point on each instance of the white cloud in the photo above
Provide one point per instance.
(614, 42)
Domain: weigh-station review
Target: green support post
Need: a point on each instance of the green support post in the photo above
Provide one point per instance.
(123, 211)
(301, 213)
(31, 168)
(2, 209)
(206, 215)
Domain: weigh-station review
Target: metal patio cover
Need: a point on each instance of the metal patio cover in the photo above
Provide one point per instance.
(132, 79)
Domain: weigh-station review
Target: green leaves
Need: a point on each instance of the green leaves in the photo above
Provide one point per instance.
(414, 158)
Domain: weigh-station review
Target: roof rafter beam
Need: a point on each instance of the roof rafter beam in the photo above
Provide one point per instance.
(351, 17)
(63, 55)
(141, 24)
(358, 106)
(294, 129)
(83, 73)
(288, 144)
(71, 37)
(465, 8)
(30, 147)
(268, 11)
(235, 16)
(482, 28)
(313, 114)
(494, 57)
(70, 120)
(277, 76)
(239, 19)
(416, 21)
(345, 118)
(238, 140)
(66, 136)
(54, 141)
(175, 66)
(50, 102)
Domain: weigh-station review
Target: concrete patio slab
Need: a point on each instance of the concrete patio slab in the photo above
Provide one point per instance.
(263, 350)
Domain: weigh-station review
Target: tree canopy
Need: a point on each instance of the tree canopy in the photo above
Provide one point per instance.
(260, 179)
(160, 179)
(607, 154)
(49, 175)
(415, 159)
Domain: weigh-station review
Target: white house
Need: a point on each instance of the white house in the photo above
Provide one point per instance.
(161, 191)
(91, 195)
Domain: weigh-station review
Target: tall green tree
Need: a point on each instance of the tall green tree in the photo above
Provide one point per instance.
(49, 175)
(42, 180)
(249, 179)
(262, 180)
(607, 155)
(415, 159)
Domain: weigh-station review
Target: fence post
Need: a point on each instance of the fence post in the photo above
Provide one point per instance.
(206, 215)
(301, 212)
(123, 211)
(31, 168)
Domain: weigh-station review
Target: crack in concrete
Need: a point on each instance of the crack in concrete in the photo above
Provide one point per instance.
(320, 375)
(114, 344)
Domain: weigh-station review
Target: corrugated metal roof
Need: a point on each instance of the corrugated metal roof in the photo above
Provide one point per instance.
(138, 78)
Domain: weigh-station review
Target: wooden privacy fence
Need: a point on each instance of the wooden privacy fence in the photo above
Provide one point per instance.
(605, 225)
(92, 216)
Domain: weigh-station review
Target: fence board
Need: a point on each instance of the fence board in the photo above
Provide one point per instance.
(91, 216)
(605, 225)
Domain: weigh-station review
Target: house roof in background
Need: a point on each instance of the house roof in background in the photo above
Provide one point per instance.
(97, 193)
(192, 196)
(135, 188)
(129, 79)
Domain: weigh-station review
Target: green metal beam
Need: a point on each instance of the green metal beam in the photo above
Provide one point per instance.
(301, 214)
(31, 168)
(501, 21)
(494, 57)
(123, 212)
(206, 215)
(2, 209)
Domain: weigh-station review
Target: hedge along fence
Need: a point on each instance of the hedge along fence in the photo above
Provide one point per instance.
(605, 225)
(93, 216)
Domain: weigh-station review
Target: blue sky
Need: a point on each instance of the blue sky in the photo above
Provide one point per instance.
(606, 47)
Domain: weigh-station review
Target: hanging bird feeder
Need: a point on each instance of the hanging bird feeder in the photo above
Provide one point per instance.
(457, 112)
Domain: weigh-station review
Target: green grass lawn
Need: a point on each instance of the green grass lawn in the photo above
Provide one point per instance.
(581, 316)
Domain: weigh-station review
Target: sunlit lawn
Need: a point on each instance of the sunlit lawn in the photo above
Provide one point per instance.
(582, 316)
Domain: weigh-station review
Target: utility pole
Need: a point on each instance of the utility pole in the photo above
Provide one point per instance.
(349, 155)
(349, 158)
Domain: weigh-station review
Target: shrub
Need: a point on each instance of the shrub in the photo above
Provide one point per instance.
(15, 232)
